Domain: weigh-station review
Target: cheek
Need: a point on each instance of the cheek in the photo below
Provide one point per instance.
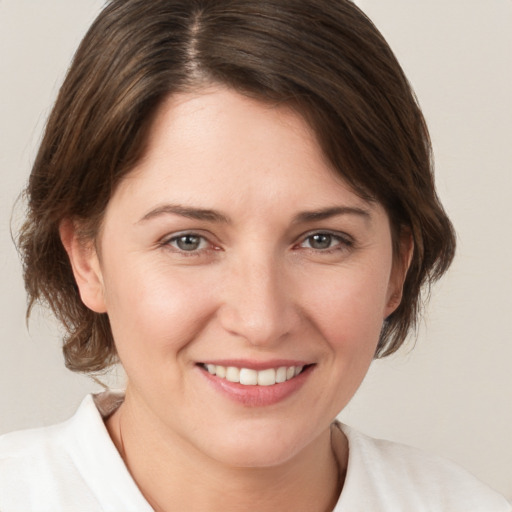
(153, 312)
(349, 309)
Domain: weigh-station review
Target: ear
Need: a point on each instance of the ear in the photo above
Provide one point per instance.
(86, 266)
(401, 264)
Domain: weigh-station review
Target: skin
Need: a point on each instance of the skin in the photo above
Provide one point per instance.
(257, 287)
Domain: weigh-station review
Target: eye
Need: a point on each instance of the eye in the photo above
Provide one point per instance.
(324, 241)
(188, 242)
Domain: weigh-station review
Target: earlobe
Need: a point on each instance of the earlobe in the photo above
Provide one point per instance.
(393, 302)
(399, 273)
(85, 265)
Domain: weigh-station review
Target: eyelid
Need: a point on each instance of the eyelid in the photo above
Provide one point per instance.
(166, 240)
(344, 239)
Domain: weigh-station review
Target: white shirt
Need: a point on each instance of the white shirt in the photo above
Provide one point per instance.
(75, 467)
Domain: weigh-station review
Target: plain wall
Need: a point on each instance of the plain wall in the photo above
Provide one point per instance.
(452, 393)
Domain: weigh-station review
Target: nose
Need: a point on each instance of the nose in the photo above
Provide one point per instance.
(258, 302)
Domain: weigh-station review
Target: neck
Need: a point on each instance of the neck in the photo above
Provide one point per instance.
(173, 475)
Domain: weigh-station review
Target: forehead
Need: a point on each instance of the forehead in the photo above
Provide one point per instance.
(220, 122)
(226, 151)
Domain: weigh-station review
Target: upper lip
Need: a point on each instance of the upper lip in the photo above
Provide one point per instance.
(256, 365)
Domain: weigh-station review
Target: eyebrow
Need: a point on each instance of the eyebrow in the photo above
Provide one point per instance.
(185, 211)
(326, 213)
(216, 216)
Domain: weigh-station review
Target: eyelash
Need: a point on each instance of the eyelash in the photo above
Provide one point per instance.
(169, 242)
(342, 242)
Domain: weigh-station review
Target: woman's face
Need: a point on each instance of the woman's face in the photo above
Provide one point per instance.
(233, 253)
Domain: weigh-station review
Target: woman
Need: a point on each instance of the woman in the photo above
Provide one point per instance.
(235, 201)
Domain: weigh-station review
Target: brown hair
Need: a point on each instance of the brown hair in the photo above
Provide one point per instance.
(323, 57)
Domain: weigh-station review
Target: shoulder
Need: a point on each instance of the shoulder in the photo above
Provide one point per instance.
(39, 470)
(70, 466)
(25, 442)
(35, 451)
(405, 478)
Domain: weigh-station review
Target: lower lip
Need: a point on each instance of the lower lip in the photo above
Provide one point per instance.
(257, 396)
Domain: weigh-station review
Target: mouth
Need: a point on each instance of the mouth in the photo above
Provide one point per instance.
(252, 377)
(256, 384)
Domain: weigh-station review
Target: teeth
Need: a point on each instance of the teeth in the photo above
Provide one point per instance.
(267, 377)
(281, 374)
(232, 374)
(249, 377)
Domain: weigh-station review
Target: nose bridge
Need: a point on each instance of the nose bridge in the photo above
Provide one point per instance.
(258, 305)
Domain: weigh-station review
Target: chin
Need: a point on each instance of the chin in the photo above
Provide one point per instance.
(256, 456)
(261, 446)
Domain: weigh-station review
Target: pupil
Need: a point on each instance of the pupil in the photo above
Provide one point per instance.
(188, 242)
(321, 241)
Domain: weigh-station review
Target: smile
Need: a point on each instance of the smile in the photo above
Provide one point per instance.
(250, 377)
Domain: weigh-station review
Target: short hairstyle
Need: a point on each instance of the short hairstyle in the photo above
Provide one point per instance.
(324, 58)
